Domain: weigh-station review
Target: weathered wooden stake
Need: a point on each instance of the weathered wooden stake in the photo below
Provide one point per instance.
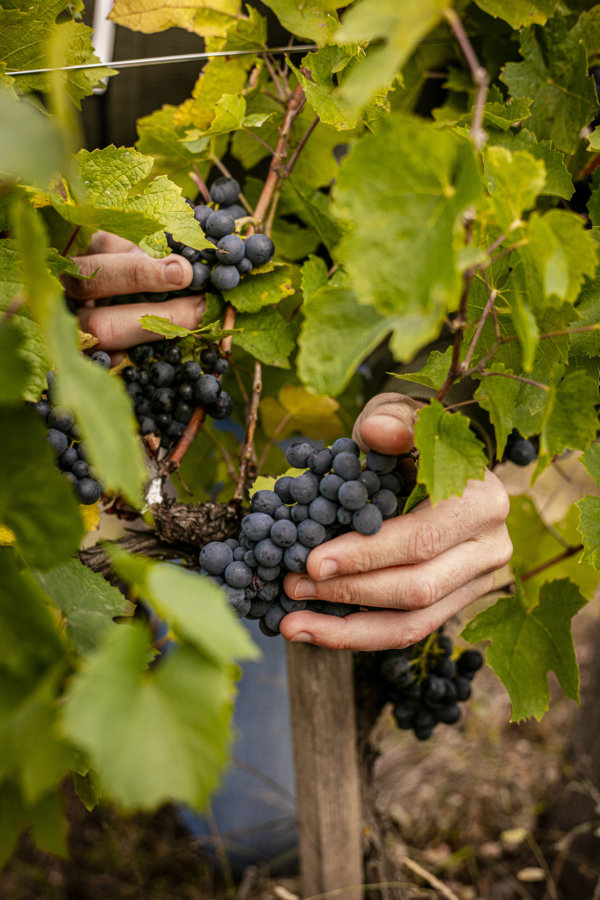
(326, 768)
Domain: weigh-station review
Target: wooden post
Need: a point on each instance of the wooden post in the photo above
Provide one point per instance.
(326, 768)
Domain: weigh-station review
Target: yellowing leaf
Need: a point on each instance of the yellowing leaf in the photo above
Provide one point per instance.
(296, 410)
(209, 18)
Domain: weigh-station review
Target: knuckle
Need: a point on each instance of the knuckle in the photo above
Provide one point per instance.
(412, 634)
(426, 542)
(498, 501)
(82, 288)
(141, 272)
(505, 548)
(100, 326)
(422, 594)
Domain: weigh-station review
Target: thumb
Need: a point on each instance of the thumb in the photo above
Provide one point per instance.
(386, 424)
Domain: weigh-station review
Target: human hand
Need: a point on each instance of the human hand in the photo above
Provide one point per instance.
(421, 568)
(125, 269)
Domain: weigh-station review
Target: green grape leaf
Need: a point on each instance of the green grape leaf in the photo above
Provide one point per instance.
(519, 13)
(14, 368)
(87, 788)
(591, 461)
(97, 399)
(315, 20)
(554, 74)
(267, 337)
(401, 26)
(293, 242)
(337, 334)
(36, 502)
(314, 210)
(433, 374)
(230, 111)
(49, 825)
(87, 601)
(209, 18)
(220, 75)
(319, 86)
(504, 115)
(24, 130)
(570, 420)
(160, 325)
(34, 42)
(416, 496)
(159, 138)
(558, 180)
(153, 735)
(498, 395)
(450, 454)
(297, 410)
(587, 344)
(260, 289)
(403, 213)
(13, 818)
(513, 180)
(314, 276)
(528, 642)
(193, 606)
(589, 526)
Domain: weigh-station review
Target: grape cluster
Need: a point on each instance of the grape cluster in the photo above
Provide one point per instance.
(519, 450)
(337, 493)
(165, 391)
(64, 439)
(232, 255)
(426, 682)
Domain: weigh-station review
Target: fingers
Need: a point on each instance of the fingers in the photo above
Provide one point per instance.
(127, 273)
(370, 631)
(386, 424)
(118, 327)
(424, 533)
(409, 586)
(105, 242)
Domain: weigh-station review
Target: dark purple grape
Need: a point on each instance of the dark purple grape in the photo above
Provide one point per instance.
(88, 490)
(219, 223)
(310, 533)
(215, 557)
(230, 250)
(295, 557)
(225, 278)
(367, 520)
(259, 249)
(265, 502)
(222, 407)
(346, 465)
(101, 358)
(224, 191)
(206, 389)
(353, 495)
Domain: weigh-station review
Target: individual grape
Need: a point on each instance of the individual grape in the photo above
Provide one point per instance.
(206, 389)
(200, 276)
(191, 254)
(72, 478)
(297, 454)
(295, 557)
(344, 516)
(225, 278)
(267, 553)
(188, 372)
(239, 553)
(371, 481)
(521, 452)
(273, 616)
(237, 600)
(395, 668)
(143, 407)
(244, 266)
(367, 520)
(330, 485)
(141, 354)
(391, 482)
(80, 468)
(469, 662)
(134, 389)
(210, 253)
(232, 543)
(265, 502)
(381, 462)
(386, 502)
(446, 668)
(322, 511)
(353, 495)
(183, 412)
(282, 488)
(289, 605)
(221, 366)
(147, 425)
(215, 557)
(346, 465)
(268, 573)
(163, 399)
(60, 418)
(269, 591)
(344, 445)
(222, 407)
(201, 214)
(162, 374)
(250, 559)
(185, 391)
(129, 374)
(257, 526)
(163, 420)
(404, 714)
(175, 246)
(448, 714)
(259, 249)
(319, 461)
(219, 223)
(282, 512)
(310, 533)
(88, 490)
(230, 249)
(462, 687)
(235, 210)
(304, 488)
(173, 355)
(174, 430)
(208, 357)
(57, 440)
(101, 358)
(224, 191)
(237, 574)
(283, 533)
(42, 408)
(66, 459)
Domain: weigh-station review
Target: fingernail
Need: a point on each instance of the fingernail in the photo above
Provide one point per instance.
(304, 588)
(328, 568)
(303, 637)
(174, 271)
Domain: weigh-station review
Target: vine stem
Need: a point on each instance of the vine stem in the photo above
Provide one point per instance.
(566, 554)
(454, 370)
(200, 183)
(248, 447)
(72, 237)
(288, 169)
(492, 294)
(483, 374)
(478, 74)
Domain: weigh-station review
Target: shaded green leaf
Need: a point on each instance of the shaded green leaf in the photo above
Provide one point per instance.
(589, 526)
(13, 365)
(519, 12)
(25, 129)
(297, 410)
(591, 461)
(498, 395)
(316, 20)
(450, 454)
(433, 374)
(558, 180)
(267, 337)
(528, 642)
(570, 420)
